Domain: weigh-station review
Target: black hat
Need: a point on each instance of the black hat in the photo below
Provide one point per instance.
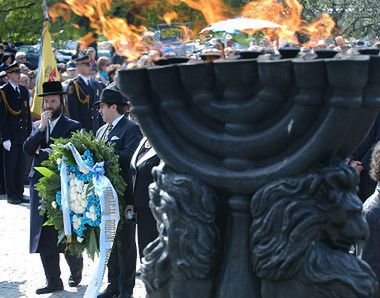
(12, 68)
(81, 60)
(111, 96)
(50, 88)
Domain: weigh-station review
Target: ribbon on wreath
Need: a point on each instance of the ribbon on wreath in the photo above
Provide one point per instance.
(110, 216)
(65, 201)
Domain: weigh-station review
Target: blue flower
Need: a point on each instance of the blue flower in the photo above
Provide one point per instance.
(88, 158)
(58, 198)
(93, 208)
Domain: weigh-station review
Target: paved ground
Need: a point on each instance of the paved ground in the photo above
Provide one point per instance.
(20, 272)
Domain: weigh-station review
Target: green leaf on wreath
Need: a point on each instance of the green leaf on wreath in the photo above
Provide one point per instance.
(44, 171)
(92, 248)
(61, 237)
(49, 222)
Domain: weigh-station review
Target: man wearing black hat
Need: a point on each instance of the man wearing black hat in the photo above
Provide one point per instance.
(125, 135)
(43, 239)
(83, 91)
(15, 127)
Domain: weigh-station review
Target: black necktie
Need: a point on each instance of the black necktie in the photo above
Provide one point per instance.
(17, 90)
(108, 130)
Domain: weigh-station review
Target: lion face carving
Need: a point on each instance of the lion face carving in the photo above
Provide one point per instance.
(186, 211)
(346, 226)
(303, 227)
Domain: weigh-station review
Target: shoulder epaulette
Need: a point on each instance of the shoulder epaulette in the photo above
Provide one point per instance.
(6, 104)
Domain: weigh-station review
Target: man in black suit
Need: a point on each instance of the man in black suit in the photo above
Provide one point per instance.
(15, 127)
(43, 239)
(361, 160)
(125, 135)
(83, 91)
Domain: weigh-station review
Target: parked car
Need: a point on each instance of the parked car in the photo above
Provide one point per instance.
(63, 56)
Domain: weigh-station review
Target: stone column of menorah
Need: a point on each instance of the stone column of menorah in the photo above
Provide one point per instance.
(254, 198)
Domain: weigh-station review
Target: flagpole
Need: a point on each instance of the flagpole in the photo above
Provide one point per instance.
(45, 10)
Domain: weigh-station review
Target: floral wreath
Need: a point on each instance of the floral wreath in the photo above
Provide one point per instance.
(84, 204)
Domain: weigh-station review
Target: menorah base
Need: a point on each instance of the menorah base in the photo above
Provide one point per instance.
(290, 239)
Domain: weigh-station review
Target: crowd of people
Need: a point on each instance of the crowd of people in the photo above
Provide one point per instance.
(87, 97)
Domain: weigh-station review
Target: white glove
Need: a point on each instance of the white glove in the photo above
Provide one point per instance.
(7, 145)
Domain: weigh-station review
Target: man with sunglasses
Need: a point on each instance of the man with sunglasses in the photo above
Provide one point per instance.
(15, 127)
(20, 58)
(82, 92)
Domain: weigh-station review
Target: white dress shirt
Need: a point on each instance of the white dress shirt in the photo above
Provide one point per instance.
(14, 85)
(53, 123)
(116, 121)
(85, 79)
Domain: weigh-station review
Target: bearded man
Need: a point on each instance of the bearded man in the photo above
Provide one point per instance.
(43, 239)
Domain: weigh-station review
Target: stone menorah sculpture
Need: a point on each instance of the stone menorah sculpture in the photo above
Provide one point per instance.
(254, 198)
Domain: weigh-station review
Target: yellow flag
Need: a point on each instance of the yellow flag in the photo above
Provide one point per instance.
(47, 69)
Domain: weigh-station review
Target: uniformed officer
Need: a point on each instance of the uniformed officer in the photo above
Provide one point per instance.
(82, 92)
(15, 127)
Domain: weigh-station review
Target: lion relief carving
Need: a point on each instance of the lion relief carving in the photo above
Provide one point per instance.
(179, 262)
(301, 232)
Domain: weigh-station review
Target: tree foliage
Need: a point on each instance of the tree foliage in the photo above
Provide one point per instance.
(354, 18)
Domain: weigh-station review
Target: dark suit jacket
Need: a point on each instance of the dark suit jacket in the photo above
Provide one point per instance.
(86, 113)
(12, 127)
(125, 136)
(142, 175)
(364, 151)
(63, 128)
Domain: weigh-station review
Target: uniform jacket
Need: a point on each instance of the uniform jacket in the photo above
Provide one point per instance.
(142, 175)
(125, 136)
(79, 108)
(37, 142)
(15, 128)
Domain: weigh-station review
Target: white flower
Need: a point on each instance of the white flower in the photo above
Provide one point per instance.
(79, 239)
(93, 217)
(59, 161)
(76, 222)
(54, 204)
(77, 195)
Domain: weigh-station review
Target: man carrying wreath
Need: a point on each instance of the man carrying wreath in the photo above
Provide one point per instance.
(125, 135)
(43, 239)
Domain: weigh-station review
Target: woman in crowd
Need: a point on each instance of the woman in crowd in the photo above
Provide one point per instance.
(91, 56)
(371, 210)
(142, 163)
(111, 72)
(102, 64)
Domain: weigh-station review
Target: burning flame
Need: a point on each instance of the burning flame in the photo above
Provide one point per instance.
(128, 39)
(169, 17)
(288, 15)
(212, 10)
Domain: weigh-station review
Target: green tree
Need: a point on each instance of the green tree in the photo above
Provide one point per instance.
(358, 18)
